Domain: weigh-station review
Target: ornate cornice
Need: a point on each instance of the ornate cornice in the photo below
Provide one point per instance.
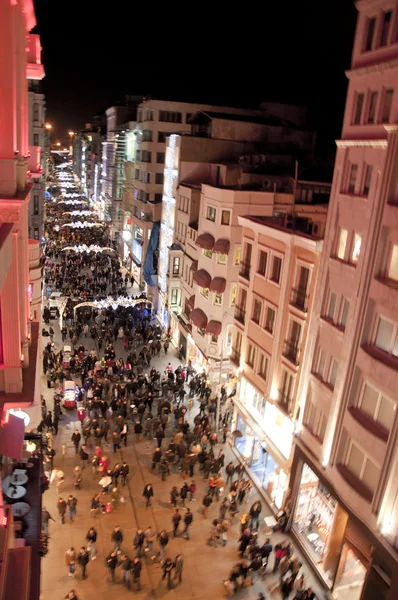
(374, 68)
(362, 144)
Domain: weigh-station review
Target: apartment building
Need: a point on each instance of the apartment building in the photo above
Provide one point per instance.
(344, 478)
(36, 163)
(277, 263)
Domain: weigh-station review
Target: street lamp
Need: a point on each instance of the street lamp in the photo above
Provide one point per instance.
(48, 126)
(58, 144)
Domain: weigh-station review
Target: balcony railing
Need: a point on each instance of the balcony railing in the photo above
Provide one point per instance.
(240, 314)
(291, 351)
(299, 299)
(244, 270)
(235, 356)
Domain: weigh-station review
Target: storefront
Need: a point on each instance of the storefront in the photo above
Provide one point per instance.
(329, 539)
(195, 356)
(174, 327)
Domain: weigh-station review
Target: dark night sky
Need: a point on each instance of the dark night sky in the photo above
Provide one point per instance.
(94, 53)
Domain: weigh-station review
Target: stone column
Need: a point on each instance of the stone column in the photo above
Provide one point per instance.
(8, 142)
(335, 540)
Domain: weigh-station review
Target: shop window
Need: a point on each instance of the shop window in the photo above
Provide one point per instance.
(174, 296)
(263, 366)
(371, 25)
(251, 355)
(393, 268)
(367, 180)
(358, 109)
(217, 299)
(221, 259)
(208, 253)
(372, 107)
(238, 250)
(387, 105)
(176, 265)
(356, 247)
(270, 314)
(262, 263)
(211, 214)
(376, 406)
(204, 292)
(256, 315)
(363, 468)
(386, 336)
(276, 269)
(341, 244)
(225, 217)
(352, 179)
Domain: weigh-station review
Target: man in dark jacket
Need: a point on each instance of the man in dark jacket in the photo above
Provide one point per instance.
(136, 571)
(157, 455)
(138, 542)
(76, 437)
(188, 518)
(124, 471)
(244, 541)
(83, 455)
(117, 539)
(111, 564)
(266, 550)
(82, 559)
(126, 563)
(207, 500)
(230, 470)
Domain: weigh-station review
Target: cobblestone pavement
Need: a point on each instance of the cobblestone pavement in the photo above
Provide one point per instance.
(205, 567)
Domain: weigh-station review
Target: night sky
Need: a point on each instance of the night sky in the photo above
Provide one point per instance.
(94, 53)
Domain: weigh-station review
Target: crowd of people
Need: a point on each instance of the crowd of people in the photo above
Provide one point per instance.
(125, 401)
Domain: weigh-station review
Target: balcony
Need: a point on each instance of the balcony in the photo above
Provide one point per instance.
(244, 270)
(291, 351)
(235, 356)
(240, 314)
(299, 299)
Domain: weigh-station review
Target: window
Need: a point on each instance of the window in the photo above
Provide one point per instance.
(367, 179)
(341, 245)
(238, 251)
(263, 366)
(162, 136)
(369, 33)
(137, 174)
(376, 406)
(358, 463)
(234, 289)
(393, 268)
(315, 420)
(287, 387)
(217, 299)
(167, 116)
(174, 295)
(345, 309)
(387, 104)
(251, 354)
(36, 114)
(160, 156)
(35, 232)
(353, 178)
(36, 139)
(356, 248)
(358, 109)
(385, 28)
(211, 214)
(208, 253)
(204, 292)
(372, 107)
(146, 156)
(214, 339)
(331, 379)
(158, 198)
(35, 205)
(270, 314)
(201, 331)
(147, 135)
(256, 311)
(276, 269)
(176, 265)
(159, 178)
(187, 117)
(221, 259)
(386, 336)
(331, 306)
(321, 363)
(262, 263)
(138, 155)
(225, 217)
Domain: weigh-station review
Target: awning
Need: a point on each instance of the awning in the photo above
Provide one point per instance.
(202, 278)
(198, 318)
(218, 284)
(12, 436)
(191, 301)
(194, 266)
(221, 246)
(214, 327)
(205, 241)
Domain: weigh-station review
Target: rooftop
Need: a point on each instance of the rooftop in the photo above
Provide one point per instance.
(272, 121)
(297, 225)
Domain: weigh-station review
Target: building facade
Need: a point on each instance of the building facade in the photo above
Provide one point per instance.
(344, 478)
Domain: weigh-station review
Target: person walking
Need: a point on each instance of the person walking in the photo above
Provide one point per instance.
(126, 563)
(138, 542)
(91, 538)
(83, 455)
(149, 541)
(255, 512)
(117, 539)
(184, 493)
(230, 471)
(163, 540)
(72, 504)
(70, 560)
(77, 477)
(71, 595)
(206, 502)
(124, 473)
(167, 569)
(136, 572)
(148, 494)
(45, 519)
(176, 518)
(188, 518)
(111, 564)
(178, 566)
(61, 505)
(82, 559)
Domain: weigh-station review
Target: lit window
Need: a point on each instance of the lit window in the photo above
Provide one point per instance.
(356, 248)
(174, 296)
(204, 292)
(225, 217)
(276, 269)
(208, 253)
(214, 339)
(386, 336)
(263, 366)
(393, 268)
(237, 255)
(270, 320)
(376, 406)
(222, 259)
(256, 311)
(176, 265)
(211, 214)
(353, 178)
(342, 244)
(234, 289)
(217, 299)
(262, 262)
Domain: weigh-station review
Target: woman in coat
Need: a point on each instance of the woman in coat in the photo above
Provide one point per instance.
(148, 494)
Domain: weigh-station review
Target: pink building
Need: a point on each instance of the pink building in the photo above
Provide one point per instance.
(345, 470)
